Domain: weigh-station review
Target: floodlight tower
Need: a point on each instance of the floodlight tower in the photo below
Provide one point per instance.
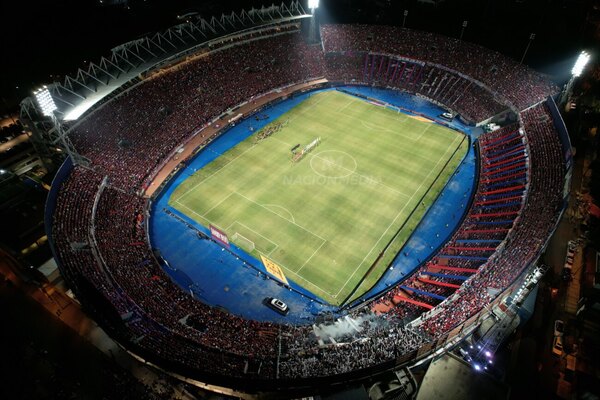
(582, 61)
(313, 33)
(48, 107)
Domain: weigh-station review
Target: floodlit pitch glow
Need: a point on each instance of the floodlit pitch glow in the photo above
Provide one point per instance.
(312, 4)
(580, 64)
(45, 101)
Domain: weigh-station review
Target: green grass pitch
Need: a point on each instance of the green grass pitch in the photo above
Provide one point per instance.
(327, 219)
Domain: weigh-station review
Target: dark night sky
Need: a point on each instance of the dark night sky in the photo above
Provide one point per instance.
(54, 37)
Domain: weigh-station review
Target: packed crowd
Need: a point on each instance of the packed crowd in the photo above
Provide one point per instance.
(170, 107)
(440, 85)
(531, 228)
(129, 136)
(485, 226)
(382, 343)
(99, 227)
(514, 82)
(449, 88)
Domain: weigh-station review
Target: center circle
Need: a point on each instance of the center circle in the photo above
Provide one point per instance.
(333, 164)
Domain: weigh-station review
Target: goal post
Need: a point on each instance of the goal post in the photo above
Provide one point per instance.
(243, 242)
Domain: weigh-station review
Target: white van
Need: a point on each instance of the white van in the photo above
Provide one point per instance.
(277, 305)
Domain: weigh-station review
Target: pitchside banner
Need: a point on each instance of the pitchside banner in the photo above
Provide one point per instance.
(219, 235)
(274, 269)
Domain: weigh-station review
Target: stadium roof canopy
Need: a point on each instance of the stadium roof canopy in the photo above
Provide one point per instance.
(125, 63)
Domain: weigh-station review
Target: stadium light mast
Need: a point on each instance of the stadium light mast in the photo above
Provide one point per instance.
(313, 34)
(464, 26)
(582, 61)
(404, 19)
(531, 37)
(48, 107)
(578, 67)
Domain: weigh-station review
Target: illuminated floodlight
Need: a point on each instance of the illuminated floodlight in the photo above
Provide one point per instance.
(312, 4)
(487, 353)
(477, 367)
(580, 64)
(45, 101)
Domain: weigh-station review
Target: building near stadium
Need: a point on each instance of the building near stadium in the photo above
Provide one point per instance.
(393, 188)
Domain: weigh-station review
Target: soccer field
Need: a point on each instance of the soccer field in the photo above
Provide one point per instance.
(334, 219)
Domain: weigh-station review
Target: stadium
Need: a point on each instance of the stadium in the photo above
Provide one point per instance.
(393, 188)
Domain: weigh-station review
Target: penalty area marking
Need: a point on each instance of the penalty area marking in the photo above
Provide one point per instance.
(293, 220)
(299, 276)
(268, 254)
(252, 230)
(271, 211)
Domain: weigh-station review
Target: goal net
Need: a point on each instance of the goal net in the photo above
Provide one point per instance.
(243, 242)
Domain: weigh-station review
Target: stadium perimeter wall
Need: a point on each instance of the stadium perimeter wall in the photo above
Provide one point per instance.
(61, 175)
(565, 142)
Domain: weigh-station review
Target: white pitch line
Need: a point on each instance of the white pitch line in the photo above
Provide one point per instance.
(300, 276)
(211, 175)
(250, 229)
(215, 206)
(404, 149)
(310, 107)
(283, 208)
(367, 178)
(352, 100)
(410, 136)
(424, 130)
(388, 228)
(361, 175)
(272, 212)
(194, 212)
(277, 262)
(311, 256)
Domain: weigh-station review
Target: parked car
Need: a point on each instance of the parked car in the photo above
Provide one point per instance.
(559, 327)
(557, 346)
(277, 305)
